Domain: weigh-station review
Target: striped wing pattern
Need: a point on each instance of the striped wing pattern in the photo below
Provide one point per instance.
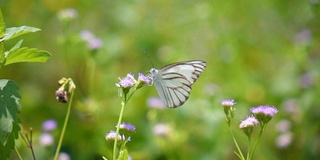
(173, 82)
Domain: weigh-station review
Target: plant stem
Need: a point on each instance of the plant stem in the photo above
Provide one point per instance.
(255, 144)
(64, 127)
(240, 155)
(17, 152)
(249, 147)
(123, 103)
(125, 99)
(28, 141)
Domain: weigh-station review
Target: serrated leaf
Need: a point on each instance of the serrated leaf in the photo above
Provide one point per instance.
(6, 149)
(2, 25)
(17, 45)
(9, 109)
(26, 55)
(13, 32)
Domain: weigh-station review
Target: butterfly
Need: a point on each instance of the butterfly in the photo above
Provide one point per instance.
(173, 82)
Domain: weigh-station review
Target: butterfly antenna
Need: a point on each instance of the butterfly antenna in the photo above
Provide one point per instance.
(149, 57)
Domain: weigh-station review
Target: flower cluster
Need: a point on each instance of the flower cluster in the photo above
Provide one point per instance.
(93, 42)
(264, 113)
(228, 109)
(248, 124)
(127, 127)
(128, 82)
(111, 136)
(228, 103)
(127, 87)
(46, 138)
(261, 115)
(124, 135)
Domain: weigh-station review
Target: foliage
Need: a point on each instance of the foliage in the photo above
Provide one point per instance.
(9, 121)
(9, 90)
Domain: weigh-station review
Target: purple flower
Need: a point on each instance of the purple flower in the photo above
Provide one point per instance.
(86, 35)
(143, 78)
(162, 130)
(228, 109)
(265, 110)
(264, 113)
(128, 127)
(284, 140)
(112, 136)
(304, 37)
(95, 43)
(228, 103)
(283, 126)
(155, 102)
(46, 139)
(306, 80)
(290, 106)
(49, 125)
(126, 82)
(249, 122)
(64, 156)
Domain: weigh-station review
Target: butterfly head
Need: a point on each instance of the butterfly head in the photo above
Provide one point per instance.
(153, 71)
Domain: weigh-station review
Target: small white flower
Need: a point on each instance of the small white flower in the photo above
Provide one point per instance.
(249, 122)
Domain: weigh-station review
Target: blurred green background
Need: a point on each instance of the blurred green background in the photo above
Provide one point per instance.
(257, 52)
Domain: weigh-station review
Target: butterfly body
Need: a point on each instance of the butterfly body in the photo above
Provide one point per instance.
(173, 82)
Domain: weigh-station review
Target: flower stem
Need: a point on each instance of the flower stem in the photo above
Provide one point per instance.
(255, 144)
(64, 127)
(17, 152)
(249, 147)
(240, 155)
(123, 103)
(28, 141)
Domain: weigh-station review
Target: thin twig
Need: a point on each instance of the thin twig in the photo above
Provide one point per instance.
(17, 152)
(28, 141)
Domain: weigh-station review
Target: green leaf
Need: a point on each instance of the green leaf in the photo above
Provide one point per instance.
(123, 155)
(16, 46)
(2, 54)
(6, 149)
(104, 158)
(9, 120)
(2, 25)
(26, 55)
(2, 33)
(17, 31)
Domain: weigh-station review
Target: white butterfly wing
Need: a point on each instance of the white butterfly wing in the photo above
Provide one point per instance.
(173, 82)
